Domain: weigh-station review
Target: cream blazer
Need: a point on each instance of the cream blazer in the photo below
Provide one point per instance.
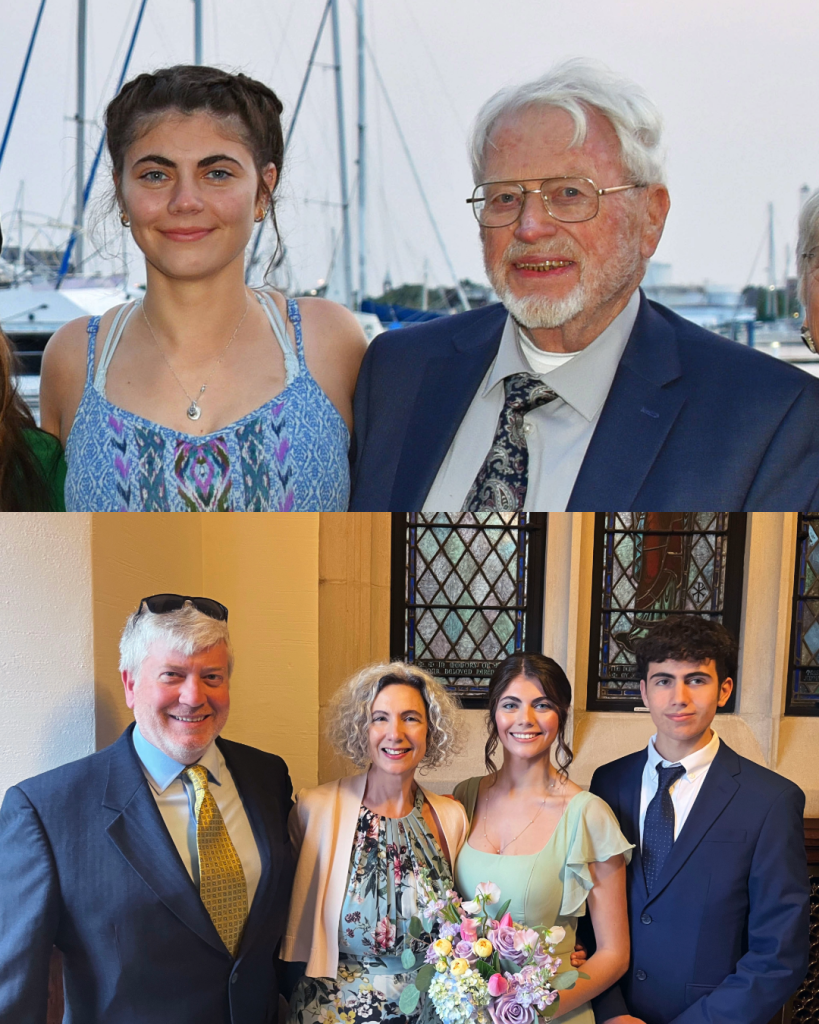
(322, 829)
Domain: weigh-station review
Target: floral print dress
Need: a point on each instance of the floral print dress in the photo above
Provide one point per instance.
(391, 859)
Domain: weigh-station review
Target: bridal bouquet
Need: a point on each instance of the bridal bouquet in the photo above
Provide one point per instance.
(479, 966)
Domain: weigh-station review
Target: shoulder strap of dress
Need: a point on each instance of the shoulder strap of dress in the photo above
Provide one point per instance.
(294, 315)
(292, 361)
(110, 345)
(92, 327)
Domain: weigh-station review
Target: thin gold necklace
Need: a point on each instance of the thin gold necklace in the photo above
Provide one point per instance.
(194, 410)
(505, 846)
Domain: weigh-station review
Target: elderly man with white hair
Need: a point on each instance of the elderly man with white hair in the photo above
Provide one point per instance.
(576, 392)
(160, 866)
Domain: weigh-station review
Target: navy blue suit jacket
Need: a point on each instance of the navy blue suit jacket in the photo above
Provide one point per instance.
(723, 939)
(692, 421)
(87, 864)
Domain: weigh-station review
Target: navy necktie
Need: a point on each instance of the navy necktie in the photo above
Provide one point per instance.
(504, 476)
(658, 827)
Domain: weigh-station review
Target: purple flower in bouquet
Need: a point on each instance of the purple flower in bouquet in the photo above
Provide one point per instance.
(448, 930)
(504, 940)
(464, 949)
(507, 1010)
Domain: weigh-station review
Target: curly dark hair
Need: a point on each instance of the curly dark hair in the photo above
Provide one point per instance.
(688, 638)
(189, 88)
(552, 680)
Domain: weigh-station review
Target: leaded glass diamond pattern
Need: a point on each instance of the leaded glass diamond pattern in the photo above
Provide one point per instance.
(803, 697)
(466, 594)
(654, 564)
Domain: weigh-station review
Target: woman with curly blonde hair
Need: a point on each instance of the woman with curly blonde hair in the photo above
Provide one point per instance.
(372, 847)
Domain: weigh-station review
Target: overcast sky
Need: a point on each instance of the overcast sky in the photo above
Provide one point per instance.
(738, 85)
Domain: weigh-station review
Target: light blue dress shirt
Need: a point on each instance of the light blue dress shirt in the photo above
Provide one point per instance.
(175, 798)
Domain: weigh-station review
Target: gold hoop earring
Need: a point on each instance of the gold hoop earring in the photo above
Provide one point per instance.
(258, 220)
(123, 219)
(808, 339)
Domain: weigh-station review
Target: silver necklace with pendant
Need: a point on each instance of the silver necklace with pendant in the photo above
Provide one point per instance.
(194, 410)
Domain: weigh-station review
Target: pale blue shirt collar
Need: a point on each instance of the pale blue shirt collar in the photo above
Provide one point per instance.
(162, 770)
(693, 763)
(585, 380)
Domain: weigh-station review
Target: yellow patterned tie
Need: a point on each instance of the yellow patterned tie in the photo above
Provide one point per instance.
(221, 878)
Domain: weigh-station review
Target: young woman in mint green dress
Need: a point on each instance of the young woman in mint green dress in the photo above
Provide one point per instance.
(550, 846)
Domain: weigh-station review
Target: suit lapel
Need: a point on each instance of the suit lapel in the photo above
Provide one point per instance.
(636, 419)
(445, 391)
(630, 802)
(718, 788)
(140, 835)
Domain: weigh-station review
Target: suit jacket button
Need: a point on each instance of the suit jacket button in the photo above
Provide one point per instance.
(645, 918)
(641, 975)
(234, 979)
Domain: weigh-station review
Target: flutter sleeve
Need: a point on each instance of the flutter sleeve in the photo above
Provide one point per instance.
(595, 837)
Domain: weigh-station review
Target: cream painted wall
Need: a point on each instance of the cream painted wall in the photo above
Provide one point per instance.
(46, 645)
(265, 569)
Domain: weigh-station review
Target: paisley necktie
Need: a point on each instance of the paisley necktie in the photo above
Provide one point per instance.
(504, 476)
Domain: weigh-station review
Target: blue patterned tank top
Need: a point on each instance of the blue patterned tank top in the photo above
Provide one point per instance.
(290, 454)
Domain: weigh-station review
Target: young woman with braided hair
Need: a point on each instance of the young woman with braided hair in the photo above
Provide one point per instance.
(206, 395)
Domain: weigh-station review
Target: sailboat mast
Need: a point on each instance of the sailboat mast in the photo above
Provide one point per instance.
(771, 304)
(197, 31)
(342, 157)
(79, 201)
(362, 167)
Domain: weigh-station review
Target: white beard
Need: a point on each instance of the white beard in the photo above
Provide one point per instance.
(597, 285)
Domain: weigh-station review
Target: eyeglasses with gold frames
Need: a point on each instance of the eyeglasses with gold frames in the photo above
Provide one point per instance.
(497, 204)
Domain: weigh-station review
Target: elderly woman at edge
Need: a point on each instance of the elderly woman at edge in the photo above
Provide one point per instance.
(368, 843)
(808, 264)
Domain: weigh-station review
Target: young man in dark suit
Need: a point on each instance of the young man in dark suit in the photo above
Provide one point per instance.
(160, 866)
(718, 885)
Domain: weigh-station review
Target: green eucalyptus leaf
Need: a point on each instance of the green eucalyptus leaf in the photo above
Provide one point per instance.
(585, 977)
(511, 966)
(415, 928)
(408, 1000)
(420, 959)
(424, 977)
(564, 980)
(502, 910)
(408, 959)
(484, 969)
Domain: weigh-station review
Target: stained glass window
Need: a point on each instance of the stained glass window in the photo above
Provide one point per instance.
(803, 691)
(467, 591)
(646, 566)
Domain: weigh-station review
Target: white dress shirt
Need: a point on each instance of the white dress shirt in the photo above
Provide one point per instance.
(685, 790)
(175, 798)
(557, 434)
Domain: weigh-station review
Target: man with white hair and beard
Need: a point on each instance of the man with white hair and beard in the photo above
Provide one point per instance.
(576, 392)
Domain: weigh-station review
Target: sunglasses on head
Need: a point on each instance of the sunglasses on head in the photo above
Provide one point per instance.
(161, 603)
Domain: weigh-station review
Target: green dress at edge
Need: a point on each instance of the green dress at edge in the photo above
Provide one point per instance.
(392, 858)
(548, 887)
(48, 453)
